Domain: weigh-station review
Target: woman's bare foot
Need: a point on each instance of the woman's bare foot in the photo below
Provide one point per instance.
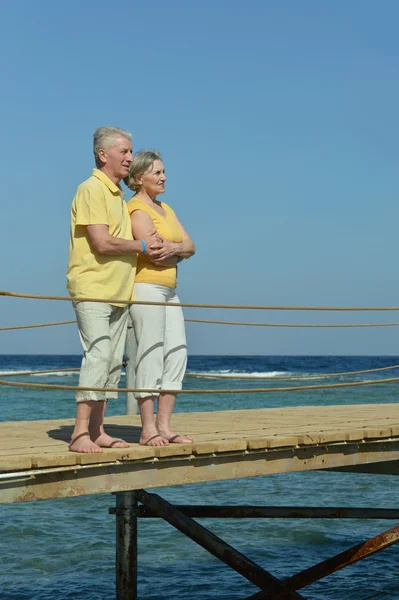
(106, 441)
(175, 438)
(152, 438)
(83, 443)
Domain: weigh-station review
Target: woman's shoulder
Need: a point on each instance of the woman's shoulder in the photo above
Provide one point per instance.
(137, 204)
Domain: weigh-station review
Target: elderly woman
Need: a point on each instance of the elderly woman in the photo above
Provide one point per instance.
(161, 341)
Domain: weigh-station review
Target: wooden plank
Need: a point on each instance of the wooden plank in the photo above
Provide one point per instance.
(174, 450)
(272, 442)
(19, 463)
(54, 460)
(232, 445)
(117, 454)
(204, 448)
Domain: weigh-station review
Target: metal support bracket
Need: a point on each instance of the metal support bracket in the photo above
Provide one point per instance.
(223, 551)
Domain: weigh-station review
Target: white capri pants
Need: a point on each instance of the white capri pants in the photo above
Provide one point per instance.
(102, 331)
(161, 357)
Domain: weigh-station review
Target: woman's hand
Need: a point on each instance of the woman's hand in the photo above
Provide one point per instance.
(164, 250)
(166, 262)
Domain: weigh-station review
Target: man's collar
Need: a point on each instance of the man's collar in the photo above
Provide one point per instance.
(115, 189)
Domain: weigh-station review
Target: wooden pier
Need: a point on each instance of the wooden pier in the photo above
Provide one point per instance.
(35, 464)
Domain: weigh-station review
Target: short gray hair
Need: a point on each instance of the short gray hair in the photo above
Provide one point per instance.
(105, 137)
(142, 162)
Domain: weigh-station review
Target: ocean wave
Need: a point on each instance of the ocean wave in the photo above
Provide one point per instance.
(12, 372)
(56, 374)
(63, 374)
(245, 375)
(38, 374)
(222, 373)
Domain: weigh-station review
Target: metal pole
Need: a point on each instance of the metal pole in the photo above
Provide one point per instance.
(130, 353)
(201, 511)
(126, 545)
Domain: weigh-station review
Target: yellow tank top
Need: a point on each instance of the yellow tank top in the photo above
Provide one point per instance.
(168, 228)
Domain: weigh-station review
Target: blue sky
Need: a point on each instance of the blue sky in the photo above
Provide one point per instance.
(279, 130)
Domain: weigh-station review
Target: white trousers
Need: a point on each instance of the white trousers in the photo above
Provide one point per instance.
(161, 357)
(102, 332)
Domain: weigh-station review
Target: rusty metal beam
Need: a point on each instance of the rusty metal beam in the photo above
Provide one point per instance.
(224, 552)
(339, 561)
(126, 545)
(389, 467)
(201, 511)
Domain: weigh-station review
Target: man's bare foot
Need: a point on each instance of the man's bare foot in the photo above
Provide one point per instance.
(106, 441)
(175, 438)
(153, 440)
(83, 443)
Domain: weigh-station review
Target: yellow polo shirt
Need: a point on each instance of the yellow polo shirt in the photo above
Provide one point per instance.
(168, 228)
(99, 201)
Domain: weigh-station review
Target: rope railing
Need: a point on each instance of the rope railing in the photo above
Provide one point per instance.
(318, 376)
(192, 305)
(215, 376)
(206, 391)
(249, 324)
(37, 325)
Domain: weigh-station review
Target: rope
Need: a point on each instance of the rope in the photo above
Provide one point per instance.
(214, 391)
(291, 324)
(223, 323)
(187, 305)
(212, 376)
(36, 325)
(321, 375)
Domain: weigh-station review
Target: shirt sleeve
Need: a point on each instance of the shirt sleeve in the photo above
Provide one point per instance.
(90, 208)
(133, 205)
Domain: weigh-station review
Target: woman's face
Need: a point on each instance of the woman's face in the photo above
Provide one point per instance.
(153, 182)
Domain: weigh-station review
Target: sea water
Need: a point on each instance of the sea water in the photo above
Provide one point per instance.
(65, 549)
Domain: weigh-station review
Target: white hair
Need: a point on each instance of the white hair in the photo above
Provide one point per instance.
(142, 162)
(105, 137)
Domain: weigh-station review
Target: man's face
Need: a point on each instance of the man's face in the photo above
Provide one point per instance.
(117, 158)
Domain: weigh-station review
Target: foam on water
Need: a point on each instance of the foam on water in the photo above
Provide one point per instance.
(254, 375)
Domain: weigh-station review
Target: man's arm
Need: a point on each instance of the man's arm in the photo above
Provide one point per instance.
(104, 243)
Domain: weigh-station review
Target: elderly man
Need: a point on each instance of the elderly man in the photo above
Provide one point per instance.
(102, 264)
